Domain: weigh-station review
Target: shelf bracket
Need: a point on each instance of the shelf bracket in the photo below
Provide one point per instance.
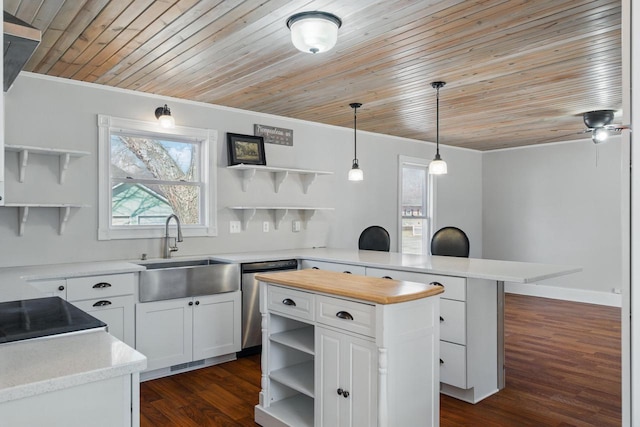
(306, 215)
(65, 213)
(246, 214)
(307, 179)
(23, 214)
(247, 177)
(278, 179)
(24, 158)
(64, 165)
(278, 217)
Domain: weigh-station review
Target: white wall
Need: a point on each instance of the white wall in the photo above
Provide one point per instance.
(558, 204)
(50, 112)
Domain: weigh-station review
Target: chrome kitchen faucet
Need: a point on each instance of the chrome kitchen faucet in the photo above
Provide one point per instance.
(167, 247)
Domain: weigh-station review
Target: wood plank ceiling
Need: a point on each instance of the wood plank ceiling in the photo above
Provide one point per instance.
(518, 72)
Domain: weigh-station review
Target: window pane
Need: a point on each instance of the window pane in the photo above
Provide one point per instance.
(141, 204)
(414, 181)
(151, 157)
(413, 235)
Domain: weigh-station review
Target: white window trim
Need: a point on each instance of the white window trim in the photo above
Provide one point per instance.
(431, 191)
(106, 124)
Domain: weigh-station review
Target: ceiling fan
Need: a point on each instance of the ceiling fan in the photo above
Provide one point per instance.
(598, 123)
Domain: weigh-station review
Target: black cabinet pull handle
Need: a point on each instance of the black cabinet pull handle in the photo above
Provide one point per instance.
(190, 303)
(441, 319)
(315, 268)
(387, 277)
(102, 303)
(197, 302)
(347, 272)
(344, 315)
(289, 301)
(102, 285)
(340, 391)
(61, 288)
(345, 394)
(441, 362)
(436, 284)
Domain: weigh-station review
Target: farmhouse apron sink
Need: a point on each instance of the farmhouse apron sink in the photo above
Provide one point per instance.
(165, 280)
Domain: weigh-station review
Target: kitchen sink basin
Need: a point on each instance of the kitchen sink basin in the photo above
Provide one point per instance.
(165, 280)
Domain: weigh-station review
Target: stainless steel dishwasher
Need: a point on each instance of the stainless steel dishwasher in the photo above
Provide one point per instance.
(251, 319)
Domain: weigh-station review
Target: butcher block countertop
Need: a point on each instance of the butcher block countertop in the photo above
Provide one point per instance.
(370, 289)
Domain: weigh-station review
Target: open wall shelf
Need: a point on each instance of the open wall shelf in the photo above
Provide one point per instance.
(278, 175)
(65, 210)
(246, 213)
(64, 155)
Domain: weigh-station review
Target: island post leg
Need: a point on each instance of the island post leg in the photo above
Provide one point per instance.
(501, 368)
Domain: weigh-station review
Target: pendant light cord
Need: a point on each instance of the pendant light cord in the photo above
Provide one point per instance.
(437, 86)
(355, 106)
(438, 122)
(355, 134)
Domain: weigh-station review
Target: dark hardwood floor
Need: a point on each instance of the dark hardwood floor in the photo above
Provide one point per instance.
(563, 369)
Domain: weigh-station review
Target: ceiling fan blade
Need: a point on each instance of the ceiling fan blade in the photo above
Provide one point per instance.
(617, 128)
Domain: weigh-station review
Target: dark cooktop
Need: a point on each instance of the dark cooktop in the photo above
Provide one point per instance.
(40, 317)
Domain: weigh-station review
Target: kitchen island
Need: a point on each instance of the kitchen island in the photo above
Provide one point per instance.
(472, 306)
(348, 350)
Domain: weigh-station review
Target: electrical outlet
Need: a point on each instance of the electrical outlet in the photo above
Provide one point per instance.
(295, 226)
(234, 226)
(265, 226)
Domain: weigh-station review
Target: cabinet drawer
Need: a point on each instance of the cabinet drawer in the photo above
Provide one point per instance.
(116, 312)
(348, 315)
(291, 302)
(93, 287)
(453, 364)
(454, 287)
(453, 321)
(332, 266)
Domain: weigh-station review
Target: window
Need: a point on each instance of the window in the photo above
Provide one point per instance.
(147, 174)
(414, 205)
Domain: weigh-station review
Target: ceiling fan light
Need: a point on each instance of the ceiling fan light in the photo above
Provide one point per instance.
(314, 32)
(599, 135)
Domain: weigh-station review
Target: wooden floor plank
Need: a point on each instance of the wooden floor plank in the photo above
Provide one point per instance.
(563, 369)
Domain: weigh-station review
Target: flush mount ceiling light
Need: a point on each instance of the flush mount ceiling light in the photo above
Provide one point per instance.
(163, 114)
(355, 174)
(314, 32)
(437, 165)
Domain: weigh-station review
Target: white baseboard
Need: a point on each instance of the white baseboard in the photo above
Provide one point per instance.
(567, 294)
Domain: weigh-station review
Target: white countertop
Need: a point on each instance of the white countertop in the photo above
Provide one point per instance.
(508, 271)
(13, 280)
(32, 367)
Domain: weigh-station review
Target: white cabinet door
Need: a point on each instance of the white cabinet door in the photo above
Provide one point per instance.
(346, 380)
(216, 325)
(116, 312)
(51, 288)
(164, 332)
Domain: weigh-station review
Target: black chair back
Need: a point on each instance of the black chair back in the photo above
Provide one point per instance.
(374, 238)
(450, 241)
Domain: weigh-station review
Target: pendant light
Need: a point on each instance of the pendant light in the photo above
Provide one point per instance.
(437, 165)
(355, 174)
(314, 32)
